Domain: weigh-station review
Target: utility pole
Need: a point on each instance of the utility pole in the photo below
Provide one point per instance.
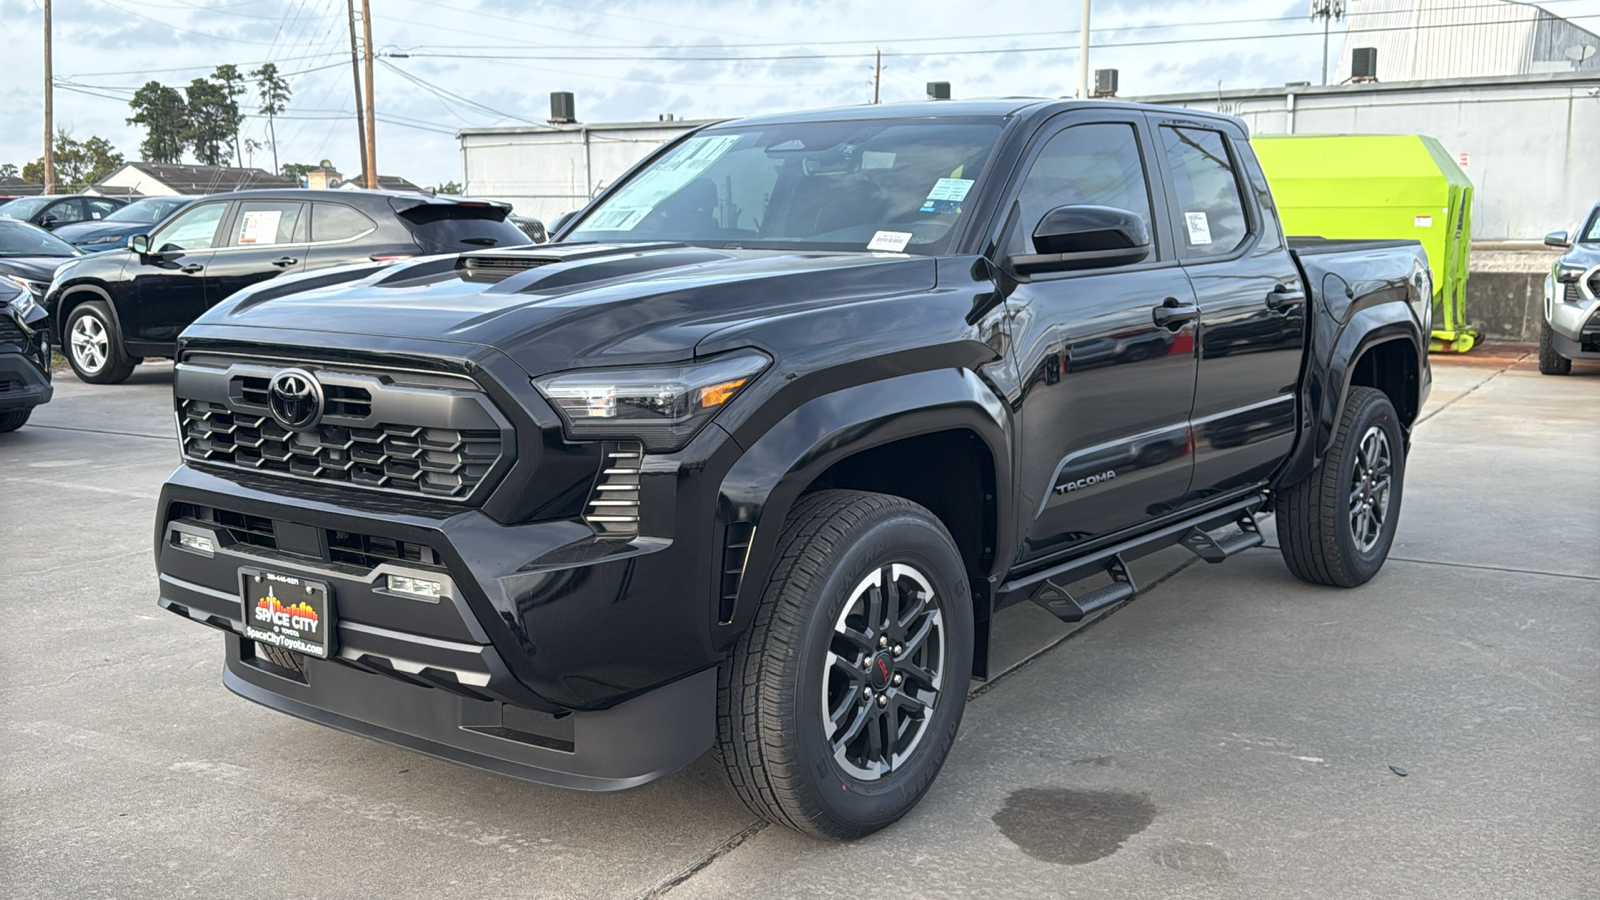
(877, 77)
(372, 123)
(355, 71)
(49, 109)
(1083, 54)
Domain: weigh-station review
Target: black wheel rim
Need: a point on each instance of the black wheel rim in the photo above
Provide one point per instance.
(884, 671)
(1369, 489)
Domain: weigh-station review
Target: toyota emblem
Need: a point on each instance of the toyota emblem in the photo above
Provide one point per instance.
(295, 399)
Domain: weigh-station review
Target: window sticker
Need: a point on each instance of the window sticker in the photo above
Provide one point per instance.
(1199, 228)
(628, 207)
(947, 195)
(260, 227)
(877, 159)
(892, 241)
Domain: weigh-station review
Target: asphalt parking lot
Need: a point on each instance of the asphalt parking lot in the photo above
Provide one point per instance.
(1230, 733)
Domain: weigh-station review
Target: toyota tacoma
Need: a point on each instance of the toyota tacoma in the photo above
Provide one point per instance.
(751, 455)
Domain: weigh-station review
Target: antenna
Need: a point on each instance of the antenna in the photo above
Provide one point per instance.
(1328, 11)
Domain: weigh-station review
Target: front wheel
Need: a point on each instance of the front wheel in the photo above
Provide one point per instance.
(1550, 361)
(841, 701)
(16, 418)
(94, 347)
(1336, 527)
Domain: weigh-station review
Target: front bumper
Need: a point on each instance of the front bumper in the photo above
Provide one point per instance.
(1573, 312)
(22, 384)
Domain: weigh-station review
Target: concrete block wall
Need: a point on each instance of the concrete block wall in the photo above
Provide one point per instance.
(1505, 292)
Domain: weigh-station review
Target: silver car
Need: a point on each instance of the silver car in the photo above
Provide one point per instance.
(1571, 327)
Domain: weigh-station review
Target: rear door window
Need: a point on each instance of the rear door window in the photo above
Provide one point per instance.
(1211, 217)
(444, 228)
(264, 223)
(336, 222)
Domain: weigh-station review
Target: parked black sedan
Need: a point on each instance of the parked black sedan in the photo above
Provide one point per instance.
(113, 232)
(114, 309)
(51, 211)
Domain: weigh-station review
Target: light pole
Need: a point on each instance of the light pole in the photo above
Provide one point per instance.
(1083, 54)
(1327, 11)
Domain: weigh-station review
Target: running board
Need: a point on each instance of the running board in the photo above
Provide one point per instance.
(1068, 608)
(1209, 548)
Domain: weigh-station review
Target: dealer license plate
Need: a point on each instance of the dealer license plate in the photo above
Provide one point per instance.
(288, 611)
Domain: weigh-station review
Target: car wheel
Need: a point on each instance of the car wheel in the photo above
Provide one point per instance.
(1337, 526)
(1551, 362)
(94, 348)
(11, 421)
(840, 703)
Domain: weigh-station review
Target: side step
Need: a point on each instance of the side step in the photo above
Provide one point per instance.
(1208, 548)
(1068, 608)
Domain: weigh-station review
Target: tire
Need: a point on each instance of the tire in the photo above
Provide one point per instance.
(94, 346)
(1325, 537)
(278, 656)
(16, 418)
(1551, 362)
(795, 665)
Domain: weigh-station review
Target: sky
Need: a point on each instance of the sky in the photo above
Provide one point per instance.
(449, 64)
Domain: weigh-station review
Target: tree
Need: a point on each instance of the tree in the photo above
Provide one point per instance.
(212, 122)
(8, 170)
(274, 93)
(162, 112)
(78, 163)
(295, 170)
(449, 187)
(232, 82)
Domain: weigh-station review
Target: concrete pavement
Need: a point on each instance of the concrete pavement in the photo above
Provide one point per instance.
(1230, 733)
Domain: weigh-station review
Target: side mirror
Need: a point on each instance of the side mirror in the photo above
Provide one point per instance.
(47, 221)
(1558, 239)
(1070, 238)
(140, 244)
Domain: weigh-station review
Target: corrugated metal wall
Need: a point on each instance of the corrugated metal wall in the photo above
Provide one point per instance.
(1430, 39)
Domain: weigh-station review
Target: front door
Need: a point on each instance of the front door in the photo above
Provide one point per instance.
(267, 238)
(1252, 308)
(169, 288)
(1104, 411)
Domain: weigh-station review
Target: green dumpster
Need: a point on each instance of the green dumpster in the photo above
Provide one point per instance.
(1381, 186)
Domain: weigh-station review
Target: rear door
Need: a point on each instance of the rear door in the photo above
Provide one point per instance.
(343, 234)
(1252, 305)
(265, 239)
(168, 285)
(1106, 390)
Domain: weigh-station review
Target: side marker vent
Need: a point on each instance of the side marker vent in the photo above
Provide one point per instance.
(613, 507)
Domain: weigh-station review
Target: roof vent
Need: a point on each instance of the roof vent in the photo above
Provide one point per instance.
(1105, 82)
(563, 109)
(1364, 64)
(667, 117)
(938, 90)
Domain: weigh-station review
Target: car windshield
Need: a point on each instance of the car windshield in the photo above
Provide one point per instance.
(148, 211)
(24, 208)
(20, 239)
(1591, 235)
(891, 185)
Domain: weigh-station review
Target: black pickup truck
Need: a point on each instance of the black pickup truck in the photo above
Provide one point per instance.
(751, 456)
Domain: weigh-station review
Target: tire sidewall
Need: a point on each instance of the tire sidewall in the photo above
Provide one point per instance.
(1376, 410)
(113, 342)
(865, 806)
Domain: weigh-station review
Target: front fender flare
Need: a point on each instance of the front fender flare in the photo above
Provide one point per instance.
(779, 464)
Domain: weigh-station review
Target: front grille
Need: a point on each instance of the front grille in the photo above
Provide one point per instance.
(613, 507)
(428, 436)
(10, 331)
(366, 551)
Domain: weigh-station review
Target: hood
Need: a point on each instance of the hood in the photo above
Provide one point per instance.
(34, 268)
(84, 232)
(556, 306)
(1582, 254)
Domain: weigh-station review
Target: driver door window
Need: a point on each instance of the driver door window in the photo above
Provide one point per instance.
(1092, 165)
(195, 229)
(63, 213)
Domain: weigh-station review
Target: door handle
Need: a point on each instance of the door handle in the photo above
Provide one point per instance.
(192, 268)
(285, 262)
(1171, 313)
(1283, 296)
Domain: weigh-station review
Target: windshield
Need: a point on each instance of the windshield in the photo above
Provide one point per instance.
(148, 211)
(19, 239)
(892, 185)
(24, 208)
(1591, 234)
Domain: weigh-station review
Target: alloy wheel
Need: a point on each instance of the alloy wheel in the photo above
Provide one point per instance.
(884, 671)
(91, 345)
(1369, 489)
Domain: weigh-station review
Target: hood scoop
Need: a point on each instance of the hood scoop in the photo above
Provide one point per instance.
(494, 269)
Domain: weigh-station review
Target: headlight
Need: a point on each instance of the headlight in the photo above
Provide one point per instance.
(25, 309)
(1568, 274)
(662, 406)
(35, 289)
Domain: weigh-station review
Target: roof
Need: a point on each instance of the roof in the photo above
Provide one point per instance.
(187, 179)
(16, 187)
(385, 183)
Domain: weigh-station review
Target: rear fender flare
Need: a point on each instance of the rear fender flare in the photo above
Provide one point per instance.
(769, 477)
